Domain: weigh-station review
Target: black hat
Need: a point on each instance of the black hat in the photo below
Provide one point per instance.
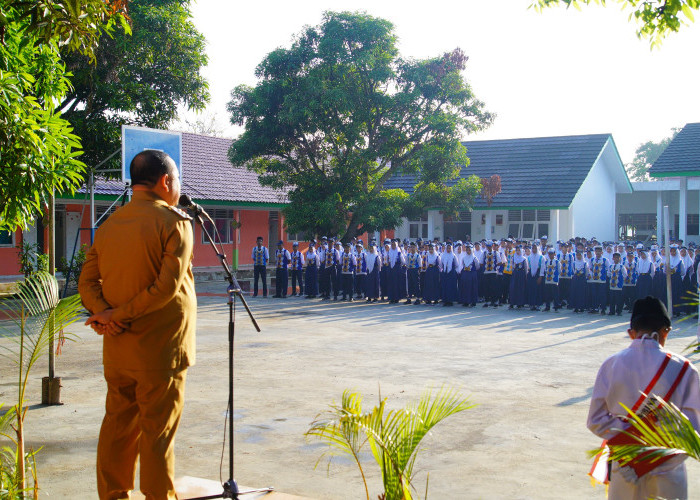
(651, 308)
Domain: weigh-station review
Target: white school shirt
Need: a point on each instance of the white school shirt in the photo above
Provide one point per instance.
(449, 262)
(621, 378)
(535, 261)
(645, 266)
(467, 260)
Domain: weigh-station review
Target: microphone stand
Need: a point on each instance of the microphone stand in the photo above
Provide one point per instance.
(234, 290)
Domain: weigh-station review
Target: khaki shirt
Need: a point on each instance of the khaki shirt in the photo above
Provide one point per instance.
(141, 266)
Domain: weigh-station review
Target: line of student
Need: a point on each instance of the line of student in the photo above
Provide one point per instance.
(580, 275)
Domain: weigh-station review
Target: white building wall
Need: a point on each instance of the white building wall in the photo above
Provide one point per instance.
(593, 207)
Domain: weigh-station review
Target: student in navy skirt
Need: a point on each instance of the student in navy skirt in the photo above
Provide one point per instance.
(374, 265)
(518, 279)
(469, 277)
(311, 276)
(448, 278)
(431, 295)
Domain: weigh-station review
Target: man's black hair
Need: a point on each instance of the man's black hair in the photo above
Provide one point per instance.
(148, 166)
(259, 238)
(649, 315)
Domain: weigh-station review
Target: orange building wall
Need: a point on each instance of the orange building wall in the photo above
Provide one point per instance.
(9, 258)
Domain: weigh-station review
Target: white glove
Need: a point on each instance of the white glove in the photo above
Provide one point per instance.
(629, 474)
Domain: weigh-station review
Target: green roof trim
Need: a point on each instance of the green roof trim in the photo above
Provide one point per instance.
(693, 173)
(520, 208)
(226, 203)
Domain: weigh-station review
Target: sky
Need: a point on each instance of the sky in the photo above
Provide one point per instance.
(558, 72)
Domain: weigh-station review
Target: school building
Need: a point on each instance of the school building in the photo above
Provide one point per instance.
(559, 187)
(556, 186)
(675, 183)
(226, 192)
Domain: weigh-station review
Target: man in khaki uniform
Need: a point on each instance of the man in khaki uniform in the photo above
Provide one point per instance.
(137, 283)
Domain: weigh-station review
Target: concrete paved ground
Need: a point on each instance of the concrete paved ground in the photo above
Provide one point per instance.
(530, 373)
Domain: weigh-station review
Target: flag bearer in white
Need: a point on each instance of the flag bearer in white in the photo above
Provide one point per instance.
(645, 367)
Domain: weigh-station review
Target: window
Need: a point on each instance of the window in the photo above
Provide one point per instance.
(499, 219)
(100, 211)
(223, 219)
(639, 226)
(418, 228)
(6, 238)
(691, 228)
(527, 224)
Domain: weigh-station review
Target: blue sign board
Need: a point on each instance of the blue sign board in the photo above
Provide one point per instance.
(137, 139)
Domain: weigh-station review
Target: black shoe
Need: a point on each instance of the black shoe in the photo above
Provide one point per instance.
(495, 304)
(408, 301)
(486, 305)
(350, 299)
(369, 300)
(416, 302)
(556, 308)
(546, 309)
(611, 313)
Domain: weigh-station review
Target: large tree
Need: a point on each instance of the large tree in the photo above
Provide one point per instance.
(645, 156)
(139, 78)
(337, 114)
(38, 150)
(655, 18)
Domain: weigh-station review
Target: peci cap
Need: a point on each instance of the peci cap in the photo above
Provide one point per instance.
(651, 308)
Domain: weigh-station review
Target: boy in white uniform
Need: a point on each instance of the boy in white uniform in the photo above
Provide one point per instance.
(644, 367)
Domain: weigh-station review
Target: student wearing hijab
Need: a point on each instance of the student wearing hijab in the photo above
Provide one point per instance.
(579, 281)
(374, 265)
(469, 277)
(677, 270)
(448, 278)
(518, 279)
(534, 279)
(311, 277)
(384, 273)
(396, 263)
(360, 270)
(414, 262)
(431, 294)
(645, 272)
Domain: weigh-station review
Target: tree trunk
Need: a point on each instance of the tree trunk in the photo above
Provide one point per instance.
(22, 480)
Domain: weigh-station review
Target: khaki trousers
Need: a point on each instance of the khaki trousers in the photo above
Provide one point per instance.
(142, 413)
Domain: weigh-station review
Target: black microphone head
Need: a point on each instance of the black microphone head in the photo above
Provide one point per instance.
(185, 201)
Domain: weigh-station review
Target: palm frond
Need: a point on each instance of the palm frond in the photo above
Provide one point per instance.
(672, 434)
(394, 436)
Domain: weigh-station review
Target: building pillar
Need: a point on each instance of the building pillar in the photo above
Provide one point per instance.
(554, 230)
(683, 210)
(489, 224)
(431, 226)
(659, 217)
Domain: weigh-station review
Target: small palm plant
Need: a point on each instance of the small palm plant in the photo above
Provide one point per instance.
(672, 433)
(393, 436)
(29, 321)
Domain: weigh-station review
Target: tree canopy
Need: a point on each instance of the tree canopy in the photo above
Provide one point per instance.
(645, 156)
(141, 76)
(655, 19)
(38, 149)
(334, 116)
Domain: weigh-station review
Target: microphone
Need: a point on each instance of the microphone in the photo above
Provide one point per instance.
(186, 202)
